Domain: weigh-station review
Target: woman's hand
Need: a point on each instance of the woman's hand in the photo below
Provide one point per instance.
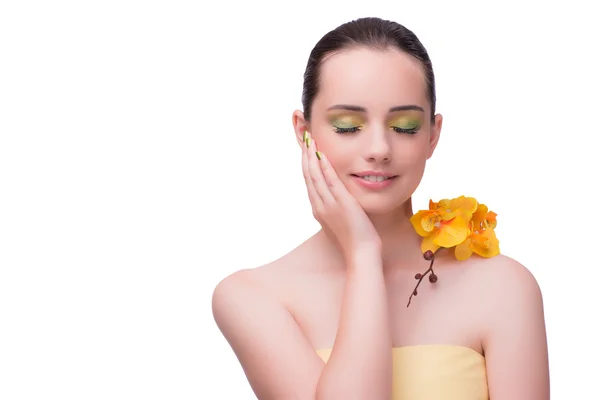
(338, 212)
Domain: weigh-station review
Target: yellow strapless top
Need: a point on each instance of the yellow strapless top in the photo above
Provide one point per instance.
(436, 372)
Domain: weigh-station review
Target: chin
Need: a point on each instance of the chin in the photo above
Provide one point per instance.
(381, 205)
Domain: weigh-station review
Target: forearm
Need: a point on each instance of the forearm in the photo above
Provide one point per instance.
(360, 365)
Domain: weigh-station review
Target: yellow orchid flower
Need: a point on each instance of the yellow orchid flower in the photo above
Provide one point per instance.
(482, 239)
(446, 223)
(461, 223)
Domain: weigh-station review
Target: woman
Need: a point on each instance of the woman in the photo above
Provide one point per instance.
(330, 319)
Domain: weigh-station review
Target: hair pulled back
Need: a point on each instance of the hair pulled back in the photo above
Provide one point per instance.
(375, 33)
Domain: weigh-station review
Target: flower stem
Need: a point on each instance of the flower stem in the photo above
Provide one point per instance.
(420, 277)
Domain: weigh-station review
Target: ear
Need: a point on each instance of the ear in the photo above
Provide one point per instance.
(300, 125)
(434, 136)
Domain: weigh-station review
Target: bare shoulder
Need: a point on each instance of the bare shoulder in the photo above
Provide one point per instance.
(502, 276)
(244, 292)
(275, 355)
(231, 284)
(230, 289)
(252, 286)
(514, 338)
(509, 293)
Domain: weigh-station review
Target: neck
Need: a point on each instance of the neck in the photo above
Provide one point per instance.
(401, 244)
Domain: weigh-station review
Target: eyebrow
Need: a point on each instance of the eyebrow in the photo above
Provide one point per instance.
(364, 110)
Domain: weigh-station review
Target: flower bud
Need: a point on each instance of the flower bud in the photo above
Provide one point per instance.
(428, 255)
(418, 276)
(433, 278)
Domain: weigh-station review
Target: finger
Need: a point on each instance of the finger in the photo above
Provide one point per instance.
(333, 181)
(314, 167)
(315, 200)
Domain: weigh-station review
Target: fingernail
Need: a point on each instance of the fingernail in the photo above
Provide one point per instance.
(318, 153)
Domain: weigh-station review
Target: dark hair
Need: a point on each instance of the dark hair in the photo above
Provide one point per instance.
(375, 33)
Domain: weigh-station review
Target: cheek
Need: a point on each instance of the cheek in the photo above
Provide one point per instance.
(414, 155)
(340, 160)
(338, 154)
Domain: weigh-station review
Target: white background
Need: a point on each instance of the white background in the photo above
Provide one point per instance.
(147, 152)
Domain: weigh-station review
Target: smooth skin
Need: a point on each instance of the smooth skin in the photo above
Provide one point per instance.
(346, 287)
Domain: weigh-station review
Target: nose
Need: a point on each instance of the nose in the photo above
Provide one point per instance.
(377, 147)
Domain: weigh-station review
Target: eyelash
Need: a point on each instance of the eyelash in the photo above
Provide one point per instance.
(354, 129)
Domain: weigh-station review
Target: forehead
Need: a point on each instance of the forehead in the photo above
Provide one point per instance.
(375, 79)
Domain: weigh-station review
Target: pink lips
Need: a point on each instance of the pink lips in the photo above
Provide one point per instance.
(374, 185)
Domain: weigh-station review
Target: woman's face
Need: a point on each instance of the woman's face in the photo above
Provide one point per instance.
(371, 115)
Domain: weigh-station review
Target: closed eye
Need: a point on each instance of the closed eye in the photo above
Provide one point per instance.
(347, 130)
(410, 131)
